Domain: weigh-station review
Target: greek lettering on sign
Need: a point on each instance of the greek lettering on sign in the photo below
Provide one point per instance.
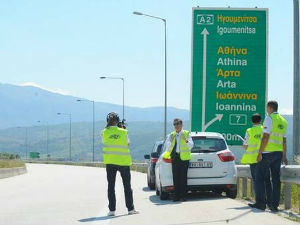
(234, 96)
(232, 51)
(236, 19)
(228, 73)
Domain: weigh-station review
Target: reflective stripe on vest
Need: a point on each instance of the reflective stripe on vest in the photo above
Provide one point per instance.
(115, 146)
(276, 142)
(252, 152)
(185, 150)
(116, 153)
(276, 134)
(279, 127)
(252, 146)
(255, 135)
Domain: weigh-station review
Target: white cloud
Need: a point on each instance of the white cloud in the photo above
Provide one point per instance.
(58, 91)
(286, 111)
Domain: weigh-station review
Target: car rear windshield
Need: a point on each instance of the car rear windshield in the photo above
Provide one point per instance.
(203, 144)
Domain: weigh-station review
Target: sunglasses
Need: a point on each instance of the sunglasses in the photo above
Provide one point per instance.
(176, 124)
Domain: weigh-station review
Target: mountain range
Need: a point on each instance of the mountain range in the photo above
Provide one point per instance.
(25, 105)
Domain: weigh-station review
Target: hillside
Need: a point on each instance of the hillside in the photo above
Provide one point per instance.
(25, 105)
(142, 136)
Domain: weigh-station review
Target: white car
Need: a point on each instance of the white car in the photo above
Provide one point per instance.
(212, 167)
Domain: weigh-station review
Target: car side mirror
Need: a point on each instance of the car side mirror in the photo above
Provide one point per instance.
(154, 155)
(147, 156)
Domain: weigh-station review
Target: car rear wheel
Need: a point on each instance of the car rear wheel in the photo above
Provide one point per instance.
(156, 191)
(150, 185)
(163, 195)
(231, 193)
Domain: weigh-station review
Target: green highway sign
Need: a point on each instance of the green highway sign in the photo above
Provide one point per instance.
(229, 69)
(34, 155)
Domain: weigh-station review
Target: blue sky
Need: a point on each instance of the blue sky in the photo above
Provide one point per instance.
(66, 45)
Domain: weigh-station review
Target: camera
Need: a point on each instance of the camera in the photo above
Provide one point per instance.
(122, 124)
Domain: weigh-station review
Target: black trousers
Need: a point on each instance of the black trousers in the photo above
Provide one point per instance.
(179, 169)
(111, 172)
(270, 162)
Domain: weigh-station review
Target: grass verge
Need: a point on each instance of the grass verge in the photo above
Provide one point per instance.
(11, 163)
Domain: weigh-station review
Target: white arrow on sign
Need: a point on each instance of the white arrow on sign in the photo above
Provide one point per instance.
(204, 33)
(218, 117)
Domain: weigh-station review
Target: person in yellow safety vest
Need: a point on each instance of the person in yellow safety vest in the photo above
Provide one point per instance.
(272, 153)
(179, 144)
(116, 157)
(251, 144)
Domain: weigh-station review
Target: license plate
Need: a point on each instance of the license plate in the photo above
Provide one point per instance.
(201, 165)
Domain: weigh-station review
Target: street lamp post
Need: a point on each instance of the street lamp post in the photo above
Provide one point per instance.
(119, 78)
(296, 101)
(165, 26)
(70, 141)
(93, 146)
(26, 141)
(47, 138)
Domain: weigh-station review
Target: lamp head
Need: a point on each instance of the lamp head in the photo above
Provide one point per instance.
(137, 13)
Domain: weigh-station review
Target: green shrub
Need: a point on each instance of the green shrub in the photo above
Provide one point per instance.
(6, 156)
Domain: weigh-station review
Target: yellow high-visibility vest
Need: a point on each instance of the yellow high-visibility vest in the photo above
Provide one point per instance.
(185, 151)
(255, 134)
(279, 127)
(115, 147)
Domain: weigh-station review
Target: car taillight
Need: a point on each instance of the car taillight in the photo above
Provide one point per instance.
(154, 160)
(226, 156)
(167, 160)
(170, 188)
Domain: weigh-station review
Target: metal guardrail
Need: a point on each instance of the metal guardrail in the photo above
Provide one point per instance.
(289, 175)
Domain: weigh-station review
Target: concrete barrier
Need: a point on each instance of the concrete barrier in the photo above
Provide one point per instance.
(10, 172)
(138, 167)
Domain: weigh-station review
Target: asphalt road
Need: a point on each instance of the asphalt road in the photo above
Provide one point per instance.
(70, 195)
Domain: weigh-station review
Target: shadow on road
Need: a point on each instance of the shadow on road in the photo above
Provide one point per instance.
(217, 221)
(100, 218)
(198, 196)
(204, 196)
(146, 189)
(156, 200)
(247, 208)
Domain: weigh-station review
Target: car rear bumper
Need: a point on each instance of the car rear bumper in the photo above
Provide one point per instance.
(222, 187)
(211, 187)
(229, 179)
(205, 184)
